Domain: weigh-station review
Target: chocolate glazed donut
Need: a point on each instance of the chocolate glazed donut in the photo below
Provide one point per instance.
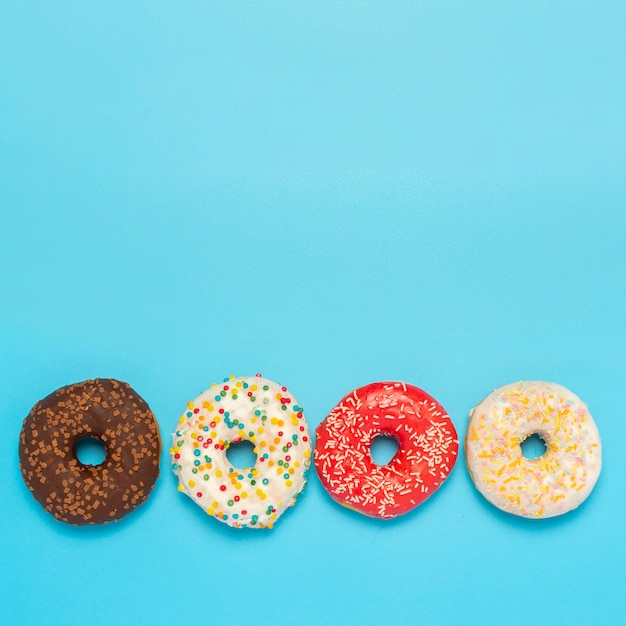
(104, 409)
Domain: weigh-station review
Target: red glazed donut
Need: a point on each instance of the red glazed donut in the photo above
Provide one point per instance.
(427, 449)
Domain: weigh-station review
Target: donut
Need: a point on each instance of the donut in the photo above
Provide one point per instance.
(246, 408)
(556, 482)
(104, 409)
(427, 449)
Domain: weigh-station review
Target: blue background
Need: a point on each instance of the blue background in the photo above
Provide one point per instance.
(328, 193)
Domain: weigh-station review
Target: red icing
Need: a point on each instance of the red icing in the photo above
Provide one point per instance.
(427, 449)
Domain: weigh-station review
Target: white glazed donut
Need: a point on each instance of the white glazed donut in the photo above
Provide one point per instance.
(244, 408)
(553, 484)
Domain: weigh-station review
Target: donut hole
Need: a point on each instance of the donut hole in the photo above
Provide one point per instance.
(90, 451)
(384, 447)
(241, 454)
(533, 447)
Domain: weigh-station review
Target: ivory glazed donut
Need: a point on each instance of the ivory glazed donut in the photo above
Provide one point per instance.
(254, 409)
(105, 409)
(427, 452)
(550, 485)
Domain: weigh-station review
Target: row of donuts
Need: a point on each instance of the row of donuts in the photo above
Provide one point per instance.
(268, 417)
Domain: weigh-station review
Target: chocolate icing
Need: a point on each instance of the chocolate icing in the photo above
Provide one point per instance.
(105, 409)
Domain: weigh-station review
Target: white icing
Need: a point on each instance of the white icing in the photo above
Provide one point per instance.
(269, 418)
(553, 484)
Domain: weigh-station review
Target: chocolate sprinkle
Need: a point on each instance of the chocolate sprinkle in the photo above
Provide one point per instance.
(105, 409)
